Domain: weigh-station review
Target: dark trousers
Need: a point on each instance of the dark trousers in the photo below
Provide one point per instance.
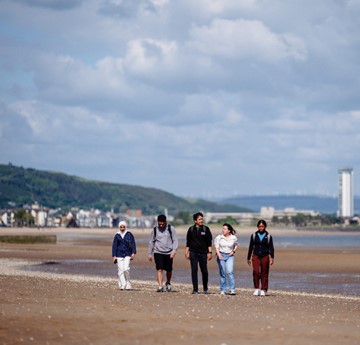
(196, 260)
(261, 266)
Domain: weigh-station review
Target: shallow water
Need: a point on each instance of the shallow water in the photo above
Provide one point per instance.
(335, 283)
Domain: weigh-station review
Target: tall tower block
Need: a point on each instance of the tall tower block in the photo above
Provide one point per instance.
(346, 194)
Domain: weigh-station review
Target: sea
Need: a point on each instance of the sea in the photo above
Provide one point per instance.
(339, 283)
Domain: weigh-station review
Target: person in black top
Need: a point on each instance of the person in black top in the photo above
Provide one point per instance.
(260, 257)
(198, 251)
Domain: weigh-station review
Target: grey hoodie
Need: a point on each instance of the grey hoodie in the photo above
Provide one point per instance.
(163, 244)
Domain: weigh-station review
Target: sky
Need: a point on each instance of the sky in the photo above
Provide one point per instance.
(205, 98)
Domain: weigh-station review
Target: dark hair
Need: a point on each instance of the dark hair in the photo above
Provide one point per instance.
(161, 218)
(262, 221)
(229, 226)
(197, 214)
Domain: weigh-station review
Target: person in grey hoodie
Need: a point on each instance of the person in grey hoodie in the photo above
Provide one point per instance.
(163, 244)
(123, 251)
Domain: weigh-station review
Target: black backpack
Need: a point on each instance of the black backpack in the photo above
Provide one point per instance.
(168, 228)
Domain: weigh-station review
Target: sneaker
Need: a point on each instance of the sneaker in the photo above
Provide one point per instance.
(206, 292)
(160, 289)
(262, 293)
(222, 293)
(195, 292)
(168, 287)
(257, 292)
(232, 292)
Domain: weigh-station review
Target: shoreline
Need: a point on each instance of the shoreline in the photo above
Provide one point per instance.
(13, 267)
(62, 308)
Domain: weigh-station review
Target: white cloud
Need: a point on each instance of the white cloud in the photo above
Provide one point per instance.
(233, 87)
(244, 39)
(149, 55)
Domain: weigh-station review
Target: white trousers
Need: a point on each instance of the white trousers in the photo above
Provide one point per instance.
(123, 265)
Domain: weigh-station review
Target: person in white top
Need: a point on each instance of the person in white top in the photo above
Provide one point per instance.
(225, 247)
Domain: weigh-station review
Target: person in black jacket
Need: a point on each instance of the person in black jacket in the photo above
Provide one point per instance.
(198, 251)
(260, 257)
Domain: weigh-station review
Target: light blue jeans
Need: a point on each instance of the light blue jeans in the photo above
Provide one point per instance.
(226, 268)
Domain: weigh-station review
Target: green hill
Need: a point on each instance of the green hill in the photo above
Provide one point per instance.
(20, 186)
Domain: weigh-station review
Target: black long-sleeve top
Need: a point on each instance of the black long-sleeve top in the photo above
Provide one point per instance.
(199, 239)
(261, 248)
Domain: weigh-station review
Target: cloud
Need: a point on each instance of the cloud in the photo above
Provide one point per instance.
(52, 4)
(126, 9)
(253, 96)
(244, 39)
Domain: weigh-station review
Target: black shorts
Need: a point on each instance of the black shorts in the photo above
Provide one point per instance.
(163, 262)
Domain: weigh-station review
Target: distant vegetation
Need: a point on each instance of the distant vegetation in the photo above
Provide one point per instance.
(25, 186)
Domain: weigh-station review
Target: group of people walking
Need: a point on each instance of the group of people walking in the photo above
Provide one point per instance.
(163, 245)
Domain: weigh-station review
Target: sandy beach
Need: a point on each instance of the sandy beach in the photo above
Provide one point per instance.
(39, 307)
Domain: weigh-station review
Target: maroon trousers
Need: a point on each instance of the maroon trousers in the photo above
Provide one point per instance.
(261, 267)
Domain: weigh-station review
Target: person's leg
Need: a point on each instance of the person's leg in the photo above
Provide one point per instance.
(159, 264)
(221, 265)
(121, 277)
(229, 267)
(168, 266)
(127, 272)
(194, 270)
(159, 276)
(168, 277)
(265, 266)
(204, 270)
(256, 271)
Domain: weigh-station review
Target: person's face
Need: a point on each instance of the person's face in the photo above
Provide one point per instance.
(225, 231)
(261, 227)
(161, 224)
(199, 221)
(122, 228)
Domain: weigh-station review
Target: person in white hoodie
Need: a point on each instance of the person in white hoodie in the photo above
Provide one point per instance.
(123, 251)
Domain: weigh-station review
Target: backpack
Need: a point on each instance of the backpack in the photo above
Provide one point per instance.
(268, 237)
(170, 232)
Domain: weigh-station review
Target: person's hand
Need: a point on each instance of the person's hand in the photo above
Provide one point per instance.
(187, 255)
(132, 256)
(172, 255)
(271, 261)
(220, 257)
(150, 258)
(249, 262)
(209, 256)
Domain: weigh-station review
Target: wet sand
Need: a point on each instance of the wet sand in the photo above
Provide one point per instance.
(51, 308)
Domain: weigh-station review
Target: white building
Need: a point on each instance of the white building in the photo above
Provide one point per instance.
(346, 194)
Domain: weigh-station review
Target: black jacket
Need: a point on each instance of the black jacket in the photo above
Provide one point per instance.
(261, 248)
(199, 239)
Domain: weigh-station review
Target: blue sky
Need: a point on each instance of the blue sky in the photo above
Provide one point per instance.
(206, 98)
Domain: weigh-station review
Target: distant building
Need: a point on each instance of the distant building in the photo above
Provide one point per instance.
(346, 194)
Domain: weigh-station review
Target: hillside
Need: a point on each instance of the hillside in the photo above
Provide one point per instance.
(20, 186)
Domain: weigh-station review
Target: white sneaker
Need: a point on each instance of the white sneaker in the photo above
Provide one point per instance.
(262, 293)
(222, 293)
(257, 292)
